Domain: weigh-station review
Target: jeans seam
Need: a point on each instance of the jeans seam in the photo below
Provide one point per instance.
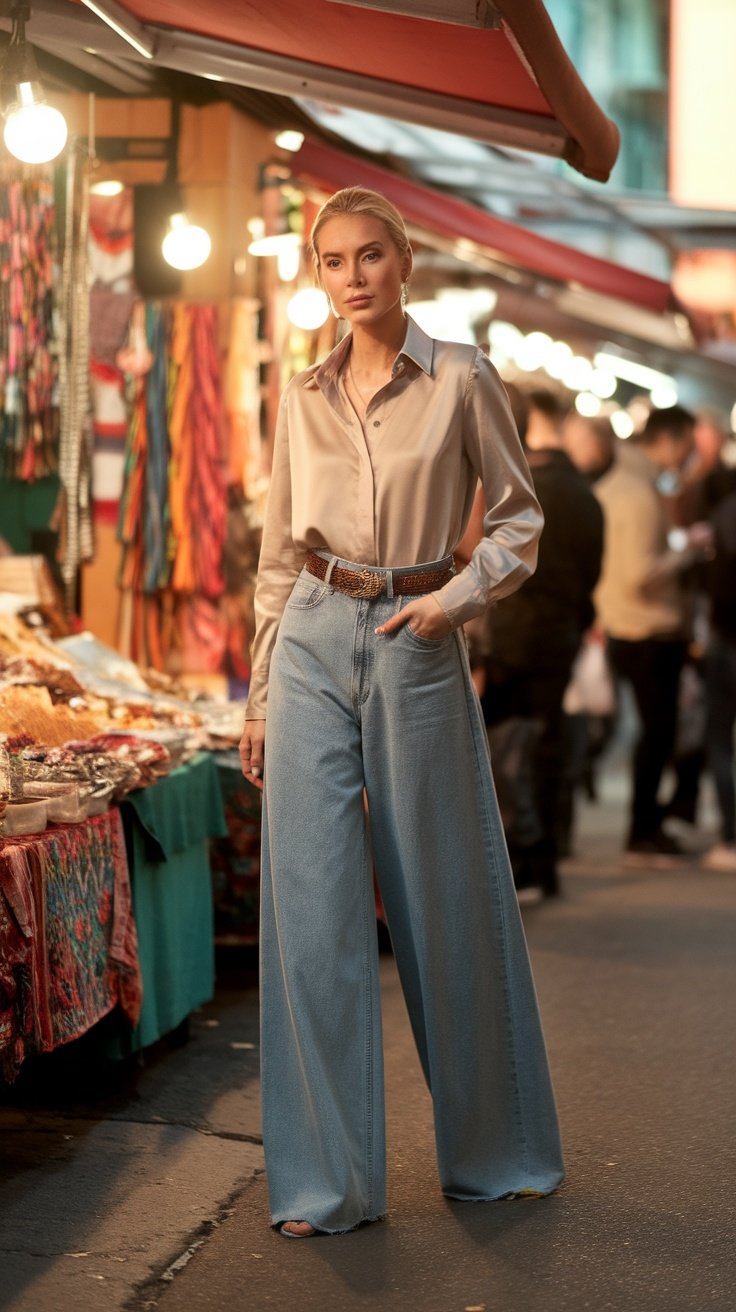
(307, 605)
(426, 644)
(508, 1004)
(367, 983)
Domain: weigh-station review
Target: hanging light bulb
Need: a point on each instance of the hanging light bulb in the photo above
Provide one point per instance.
(185, 246)
(34, 132)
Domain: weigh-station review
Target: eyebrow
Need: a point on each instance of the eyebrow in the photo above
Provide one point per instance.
(369, 245)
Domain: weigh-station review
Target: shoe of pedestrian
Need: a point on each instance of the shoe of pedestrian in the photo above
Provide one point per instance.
(305, 1232)
(660, 851)
(720, 857)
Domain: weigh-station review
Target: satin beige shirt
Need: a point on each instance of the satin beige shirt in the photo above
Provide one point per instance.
(440, 424)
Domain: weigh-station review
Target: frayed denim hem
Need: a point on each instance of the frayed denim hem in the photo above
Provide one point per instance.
(511, 1196)
(324, 1230)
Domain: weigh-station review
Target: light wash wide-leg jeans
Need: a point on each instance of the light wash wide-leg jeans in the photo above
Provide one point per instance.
(397, 715)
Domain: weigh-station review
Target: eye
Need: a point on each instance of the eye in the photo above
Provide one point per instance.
(332, 262)
(372, 256)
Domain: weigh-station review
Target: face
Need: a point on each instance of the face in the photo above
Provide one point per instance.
(671, 453)
(583, 445)
(361, 268)
(708, 442)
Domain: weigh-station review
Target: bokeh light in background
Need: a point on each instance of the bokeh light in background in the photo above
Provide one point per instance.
(308, 309)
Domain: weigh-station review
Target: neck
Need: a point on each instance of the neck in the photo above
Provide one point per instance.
(375, 347)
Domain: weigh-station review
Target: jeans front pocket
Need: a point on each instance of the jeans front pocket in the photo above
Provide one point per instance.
(426, 644)
(307, 592)
(416, 639)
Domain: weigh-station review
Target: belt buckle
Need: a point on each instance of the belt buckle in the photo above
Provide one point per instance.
(370, 585)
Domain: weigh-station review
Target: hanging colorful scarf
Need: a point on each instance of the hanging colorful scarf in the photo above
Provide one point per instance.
(29, 406)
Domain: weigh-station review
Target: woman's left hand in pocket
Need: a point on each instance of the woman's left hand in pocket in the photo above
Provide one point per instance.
(424, 616)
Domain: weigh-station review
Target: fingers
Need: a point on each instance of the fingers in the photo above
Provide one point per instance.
(252, 773)
(396, 621)
(251, 750)
(424, 616)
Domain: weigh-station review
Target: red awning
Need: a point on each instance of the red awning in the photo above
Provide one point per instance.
(511, 84)
(432, 211)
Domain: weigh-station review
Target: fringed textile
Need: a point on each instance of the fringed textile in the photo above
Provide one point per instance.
(68, 941)
(76, 437)
(29, 404)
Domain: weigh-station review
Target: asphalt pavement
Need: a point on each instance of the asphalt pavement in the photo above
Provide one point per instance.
(145, 1189)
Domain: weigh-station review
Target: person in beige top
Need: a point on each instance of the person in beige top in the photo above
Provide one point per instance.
(361, 682)
(640, 602)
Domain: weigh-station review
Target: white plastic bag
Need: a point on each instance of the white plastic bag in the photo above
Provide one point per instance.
(591, 690)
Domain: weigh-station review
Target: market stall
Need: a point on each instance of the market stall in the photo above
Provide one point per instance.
(130, 479)
(100, 909)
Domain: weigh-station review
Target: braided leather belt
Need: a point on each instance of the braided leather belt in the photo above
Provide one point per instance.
(372, 583)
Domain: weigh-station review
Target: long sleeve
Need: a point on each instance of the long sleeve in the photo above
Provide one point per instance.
(507, 553)
(280, 563)
(442, 423)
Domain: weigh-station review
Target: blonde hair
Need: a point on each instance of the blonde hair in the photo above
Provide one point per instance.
(359, 200)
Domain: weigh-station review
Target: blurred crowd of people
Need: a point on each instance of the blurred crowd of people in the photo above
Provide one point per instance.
(635, 585)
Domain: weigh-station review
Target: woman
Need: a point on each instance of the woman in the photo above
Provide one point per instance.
(358, 614)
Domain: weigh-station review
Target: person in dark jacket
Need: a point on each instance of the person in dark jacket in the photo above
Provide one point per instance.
(534, 636)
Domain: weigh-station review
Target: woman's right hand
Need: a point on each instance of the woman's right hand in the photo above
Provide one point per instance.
(251, 750)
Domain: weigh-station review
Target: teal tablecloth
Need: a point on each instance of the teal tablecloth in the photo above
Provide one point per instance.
(167, 830)
(236, 859)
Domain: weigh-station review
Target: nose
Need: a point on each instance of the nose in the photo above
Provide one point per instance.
(355, 277)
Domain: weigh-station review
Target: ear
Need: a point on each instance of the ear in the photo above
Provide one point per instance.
(407, 265)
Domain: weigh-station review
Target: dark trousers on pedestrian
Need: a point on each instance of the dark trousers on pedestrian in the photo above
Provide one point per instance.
(537, 697)
(652, 666)
(720, 677)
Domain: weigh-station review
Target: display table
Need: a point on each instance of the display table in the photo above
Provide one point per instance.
(167, 829)
(108, 910)
(68, 947)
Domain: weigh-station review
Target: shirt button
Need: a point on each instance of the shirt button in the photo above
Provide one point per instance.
(376, 423)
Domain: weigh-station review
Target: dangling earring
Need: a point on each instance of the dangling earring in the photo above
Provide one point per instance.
(404, 294)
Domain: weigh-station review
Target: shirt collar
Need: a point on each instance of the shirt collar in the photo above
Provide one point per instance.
(417, 347)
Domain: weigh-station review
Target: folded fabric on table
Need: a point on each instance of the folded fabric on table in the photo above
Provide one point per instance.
(68, 942)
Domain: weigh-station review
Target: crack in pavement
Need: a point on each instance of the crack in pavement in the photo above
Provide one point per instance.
(52, 1126)
(148, 1293)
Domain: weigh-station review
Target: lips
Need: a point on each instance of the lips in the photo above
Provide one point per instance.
(360, 300)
